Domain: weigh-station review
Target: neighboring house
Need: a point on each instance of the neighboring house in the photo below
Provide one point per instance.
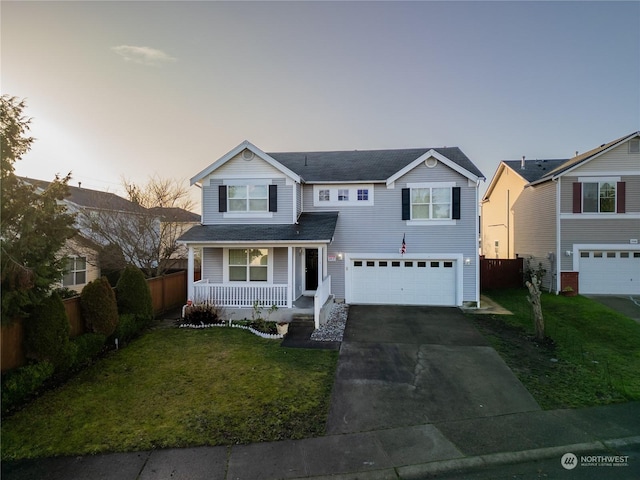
(497, 220)
(173, 223)
(581, 220)
(82, 251)
(277, 226)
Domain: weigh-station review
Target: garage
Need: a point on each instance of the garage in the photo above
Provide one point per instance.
(615, 272)
(403, 281)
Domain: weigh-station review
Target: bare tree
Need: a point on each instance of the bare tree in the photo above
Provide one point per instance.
(144, 228)
(534, 299)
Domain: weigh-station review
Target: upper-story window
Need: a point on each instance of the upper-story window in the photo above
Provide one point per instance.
(431, 203)
(599, 197)
(343, 195)
(76, 272)
(248, 198)
(324, 195)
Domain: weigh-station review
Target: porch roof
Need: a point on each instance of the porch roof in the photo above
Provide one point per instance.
(311, 227)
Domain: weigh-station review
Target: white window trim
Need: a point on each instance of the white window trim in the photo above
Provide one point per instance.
(333, 195)
(225, 266)
(244, 182)
(422, 222)
(75, 271)
(599, 180)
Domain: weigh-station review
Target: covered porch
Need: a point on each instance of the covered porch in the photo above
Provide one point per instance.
(245, 266)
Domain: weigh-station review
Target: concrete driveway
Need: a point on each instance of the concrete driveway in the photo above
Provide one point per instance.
(402, 366)
(628, 305)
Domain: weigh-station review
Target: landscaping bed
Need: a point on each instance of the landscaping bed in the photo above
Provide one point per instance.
(179, 388)
(590, 355)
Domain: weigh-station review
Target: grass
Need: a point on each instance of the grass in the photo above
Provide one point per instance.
(591, 356)
(179, 388)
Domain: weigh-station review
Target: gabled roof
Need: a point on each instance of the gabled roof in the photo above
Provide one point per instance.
(584, 158)
(174, 214)
(350, 166)
(533, 170)
(87, 198)
(367, 165)
(311, 227)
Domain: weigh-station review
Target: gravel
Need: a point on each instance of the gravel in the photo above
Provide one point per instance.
(334, 328)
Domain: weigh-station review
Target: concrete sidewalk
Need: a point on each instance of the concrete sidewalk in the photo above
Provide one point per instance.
(408, 453)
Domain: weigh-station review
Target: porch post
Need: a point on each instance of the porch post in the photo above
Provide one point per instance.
(321, 267)
(190, 269)
(290, 274)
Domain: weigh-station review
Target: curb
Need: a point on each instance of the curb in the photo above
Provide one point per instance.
(419, 471)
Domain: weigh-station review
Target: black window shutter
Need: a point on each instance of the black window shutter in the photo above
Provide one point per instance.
(406, 204)
(273, 198)
(620, 193)
(455, 203)
(222, 198)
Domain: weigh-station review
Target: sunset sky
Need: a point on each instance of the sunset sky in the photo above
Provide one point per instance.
(137, 89)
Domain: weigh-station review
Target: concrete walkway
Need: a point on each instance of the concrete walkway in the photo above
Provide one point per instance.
(408, 402)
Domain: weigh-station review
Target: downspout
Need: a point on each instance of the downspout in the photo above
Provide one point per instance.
(476, 233)
(558, 236)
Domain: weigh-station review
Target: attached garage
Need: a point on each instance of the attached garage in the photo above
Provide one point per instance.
(608, 271)
(405, 281)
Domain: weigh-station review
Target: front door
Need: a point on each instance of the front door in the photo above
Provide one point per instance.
(311, 269)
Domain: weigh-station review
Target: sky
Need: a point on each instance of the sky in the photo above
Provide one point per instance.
(140, 89)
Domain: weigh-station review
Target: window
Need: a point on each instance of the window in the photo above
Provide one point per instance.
(323, 195)
(248, 198)
(422, 264)
(248, 264)
(448, 264)
(611, 254)
(371, 263)
(357, 263)
(395, 264)
(408, 264)
(424, 202)
(363, 194)
(599, 197)
(76, 269)
(435, 264)
(584, 254)
(343, 195)
(382, 264)
(624, 254)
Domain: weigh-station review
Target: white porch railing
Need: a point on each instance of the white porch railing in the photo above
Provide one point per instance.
(320, 298)
(243, 296)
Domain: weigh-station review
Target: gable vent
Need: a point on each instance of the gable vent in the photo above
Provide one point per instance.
(247, 155)
(634, 146)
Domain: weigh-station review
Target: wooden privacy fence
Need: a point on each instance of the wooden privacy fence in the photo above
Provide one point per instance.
(167, 292)
(501, 273)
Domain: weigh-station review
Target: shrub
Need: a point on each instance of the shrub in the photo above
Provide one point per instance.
(129, 326)
(99, 307)
(89, 347)
(134, 295)
(19, 384)
(47, 333)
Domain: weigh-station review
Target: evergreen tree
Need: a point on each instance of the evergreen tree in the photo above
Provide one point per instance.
(34, 224)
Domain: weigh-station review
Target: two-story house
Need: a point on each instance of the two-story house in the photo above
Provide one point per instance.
(579, 219)
(375, 227)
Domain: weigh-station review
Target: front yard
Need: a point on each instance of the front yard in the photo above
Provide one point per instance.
(591, 356)
(179, 388)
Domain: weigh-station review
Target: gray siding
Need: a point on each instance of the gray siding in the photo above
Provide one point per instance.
(380, 228)
(632, 191)
(212, 264)
(612, 231)
(280, 258)
(535, 227)
(211, 215)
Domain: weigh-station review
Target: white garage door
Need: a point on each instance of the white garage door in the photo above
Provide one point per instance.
(403, 282)
(609, 272)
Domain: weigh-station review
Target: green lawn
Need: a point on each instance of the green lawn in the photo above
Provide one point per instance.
(592, 357)
(179, 388)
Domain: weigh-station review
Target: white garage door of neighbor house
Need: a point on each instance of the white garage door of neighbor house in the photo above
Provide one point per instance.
(609, 272)
(403, 282)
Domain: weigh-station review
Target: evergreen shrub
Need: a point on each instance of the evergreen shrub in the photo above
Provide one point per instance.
(134, 295)
(46, 333)
(89, 346)
(99, 307)
(19, 384)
